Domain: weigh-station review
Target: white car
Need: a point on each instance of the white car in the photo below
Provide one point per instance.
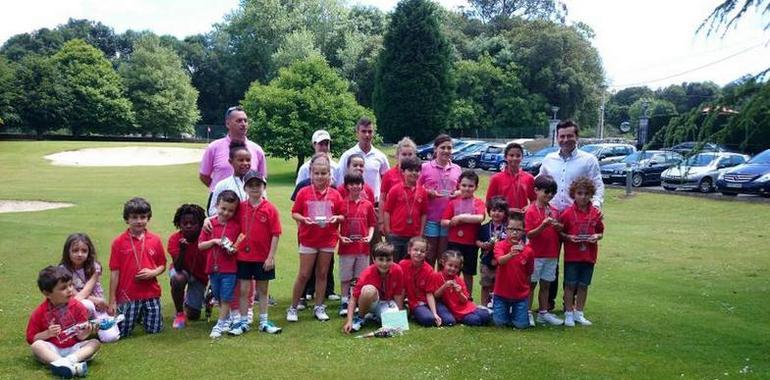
(700, 171)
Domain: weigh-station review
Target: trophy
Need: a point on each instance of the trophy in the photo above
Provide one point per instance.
(355, 229)
(228, 245)
(445, 186)
(320, 212)
(584, 234)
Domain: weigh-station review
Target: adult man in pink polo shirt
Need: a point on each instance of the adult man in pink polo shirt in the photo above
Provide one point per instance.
(215, 165)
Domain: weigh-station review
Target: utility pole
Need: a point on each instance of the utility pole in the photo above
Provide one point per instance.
(601, 115)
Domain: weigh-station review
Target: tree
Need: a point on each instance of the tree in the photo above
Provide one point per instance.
(660, 112)
(729, 12)
(545, 9)
(9, 94)
(164, 100)
(45, 97)
(412, 87)
(306, 96)
(98, 103)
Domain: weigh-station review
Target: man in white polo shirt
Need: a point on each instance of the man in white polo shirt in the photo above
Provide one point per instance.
(375, 162)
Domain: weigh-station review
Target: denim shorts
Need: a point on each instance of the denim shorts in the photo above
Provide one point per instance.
(578, 274)
(434, 229)
(222, 286)
(545, 269)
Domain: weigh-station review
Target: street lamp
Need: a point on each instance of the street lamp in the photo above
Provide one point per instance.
(552, 126)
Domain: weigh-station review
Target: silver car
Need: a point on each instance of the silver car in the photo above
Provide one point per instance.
(700, 171)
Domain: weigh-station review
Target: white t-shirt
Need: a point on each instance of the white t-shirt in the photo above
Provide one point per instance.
(375, 166)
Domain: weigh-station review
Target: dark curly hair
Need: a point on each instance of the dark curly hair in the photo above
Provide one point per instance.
(189, 209)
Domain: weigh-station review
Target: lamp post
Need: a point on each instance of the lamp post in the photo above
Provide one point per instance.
(552, 126)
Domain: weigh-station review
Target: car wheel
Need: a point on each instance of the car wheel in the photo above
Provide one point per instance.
(471, 164)
(730, 194)
(637, 180)
(706, 185)
(501, 167)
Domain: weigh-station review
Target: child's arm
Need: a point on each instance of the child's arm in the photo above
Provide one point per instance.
(148, 274)
(351, 310)
(270, 260)
(385, 223)
(432, 306)
(539, 229)
(467, 218)
(423, 221)
(508, 256)
(88, 288)
(399, 300)
(114, 278)
(178, 262)
(441, 289)
(204, 245)
(369, 235)
(52, 331)
(301, 218)
(447, 222)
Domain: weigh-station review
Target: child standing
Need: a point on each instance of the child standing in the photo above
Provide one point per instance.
(514, 268)
(420, 283)
(355, 235)
(454, 294)
(240, 160)
(380, 288)
(463, 216)
(217, 246)
(317, 210)
(489, 234)
(356, 164)
(136, 260)
(261, 229)
(188, 269)
(79, 259)
(543, 230)
(58, 329)
(583, 228)
(405, 211)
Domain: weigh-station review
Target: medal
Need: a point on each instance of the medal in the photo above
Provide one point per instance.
(409, 220)
(215, 268)
(247, 249)
(460, 233)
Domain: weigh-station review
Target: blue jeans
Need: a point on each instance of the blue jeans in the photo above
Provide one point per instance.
(479, 317)
(508, 312)
(424, 316)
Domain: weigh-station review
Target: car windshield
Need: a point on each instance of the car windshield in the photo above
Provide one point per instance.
(544, 151)
(470, 148)
(637, 156)
(459, 146)
(700, 160)
(762, 158)
(591, 148)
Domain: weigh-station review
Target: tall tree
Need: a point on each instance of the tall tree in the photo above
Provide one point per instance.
(45, 97)
(9, 93)
(164, 100)
(543, 9)
(412, 87)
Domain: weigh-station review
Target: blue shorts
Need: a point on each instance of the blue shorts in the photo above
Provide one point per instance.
(578, 274)
(434, 229)
(222, 286)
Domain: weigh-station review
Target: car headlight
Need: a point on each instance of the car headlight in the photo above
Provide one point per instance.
(764, 178)
(721, 176)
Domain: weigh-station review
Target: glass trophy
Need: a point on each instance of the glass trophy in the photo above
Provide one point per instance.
(584, 234)
(356, 229)
(445, 186)
(320, 212)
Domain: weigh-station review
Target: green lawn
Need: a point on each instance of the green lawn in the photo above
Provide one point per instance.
(679, 291)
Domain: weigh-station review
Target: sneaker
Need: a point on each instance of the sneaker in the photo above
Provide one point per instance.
(569, 319)
(63, 368)
(269, 328)
(581, 319)
(180, 321)
(219, 328)
(490, 305)
(271, 301)
(531, 319)
(81, 369)
(319, 311)
(344, 309)
(291, 314)
(333, 297)
(548, 318)
(357, 323)
(302, 304)
(371, 317)
(240, 327)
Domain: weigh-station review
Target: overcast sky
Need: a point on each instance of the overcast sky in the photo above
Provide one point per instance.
(650, 42)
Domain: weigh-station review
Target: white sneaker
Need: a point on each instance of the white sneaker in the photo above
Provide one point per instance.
(302, 305)
(581, 319)
(291, 314)
(269, 328)
(81, 369)
(569, 319)
(548, 318)
(320, 313)
(219, 328)
(333, 297)
(531, 319)
(250, 315)
(63, 368)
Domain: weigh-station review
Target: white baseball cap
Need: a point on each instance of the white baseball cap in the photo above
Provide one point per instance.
(320, 135)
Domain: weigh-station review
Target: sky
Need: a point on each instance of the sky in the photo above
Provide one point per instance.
(650, 42)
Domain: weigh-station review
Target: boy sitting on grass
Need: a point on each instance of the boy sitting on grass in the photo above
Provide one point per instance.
(58, 329)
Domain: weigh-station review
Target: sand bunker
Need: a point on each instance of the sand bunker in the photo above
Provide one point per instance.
(27, 206)
(126, 156)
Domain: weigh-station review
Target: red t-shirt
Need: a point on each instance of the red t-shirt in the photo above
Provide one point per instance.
(512, 278)
(314, 235)
(418, 282)
(391, 178)
(388, 285)
(66, 316)
(130, 254)
(451, 297)
(404, 205)
(578, 222)
(547, 243)
(464, 233)
(518, 189)
(359, 217)
(194, 260)
(259, 224)
(367, 194)
(216, 256)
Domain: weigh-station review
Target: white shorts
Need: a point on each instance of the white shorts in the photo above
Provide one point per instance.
(64, 352)
(545, 269)
(303, 250)
(351, 266)
(380, 307)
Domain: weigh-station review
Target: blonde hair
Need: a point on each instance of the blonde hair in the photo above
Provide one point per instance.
(406, 142)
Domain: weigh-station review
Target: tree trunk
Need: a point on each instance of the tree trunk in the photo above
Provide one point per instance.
(300, 161)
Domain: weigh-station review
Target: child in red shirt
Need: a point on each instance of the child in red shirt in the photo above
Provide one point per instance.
(355, 234)
(583, 228)
(356, 165)
(405, 211)
(58, 329)
(380, 288)
(188, 268)
(136, 260)
(543, 230)
(420, 283)
(454, 294)
(514, 268)
(463, 216)
(317, 209)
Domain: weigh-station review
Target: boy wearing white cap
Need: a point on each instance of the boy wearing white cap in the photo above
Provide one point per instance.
(322, 143)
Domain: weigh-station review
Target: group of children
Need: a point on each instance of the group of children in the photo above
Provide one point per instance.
(233, 253)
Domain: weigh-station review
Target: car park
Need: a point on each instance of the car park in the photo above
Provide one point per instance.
(700, 172)
(608, 153)
(425, 151)
(531, 164)
(645, 166)
(492, 158)
(753, 177)
(470, 155)
(690, 147)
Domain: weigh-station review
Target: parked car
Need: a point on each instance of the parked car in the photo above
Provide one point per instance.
(425, 151)
(645, 167)
(608, 153)
(686, 148)
(470, 155)
(492, 158)
(531, 163)
(700, 171)
(753, 177)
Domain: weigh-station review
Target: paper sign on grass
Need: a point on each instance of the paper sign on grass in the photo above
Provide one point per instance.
(395, 319)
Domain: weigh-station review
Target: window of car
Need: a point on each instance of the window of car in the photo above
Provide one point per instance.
(762, 158)
(737, 160)
(494, 149)
(658, 159)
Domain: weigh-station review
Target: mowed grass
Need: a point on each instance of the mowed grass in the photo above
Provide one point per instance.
(680, 291)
